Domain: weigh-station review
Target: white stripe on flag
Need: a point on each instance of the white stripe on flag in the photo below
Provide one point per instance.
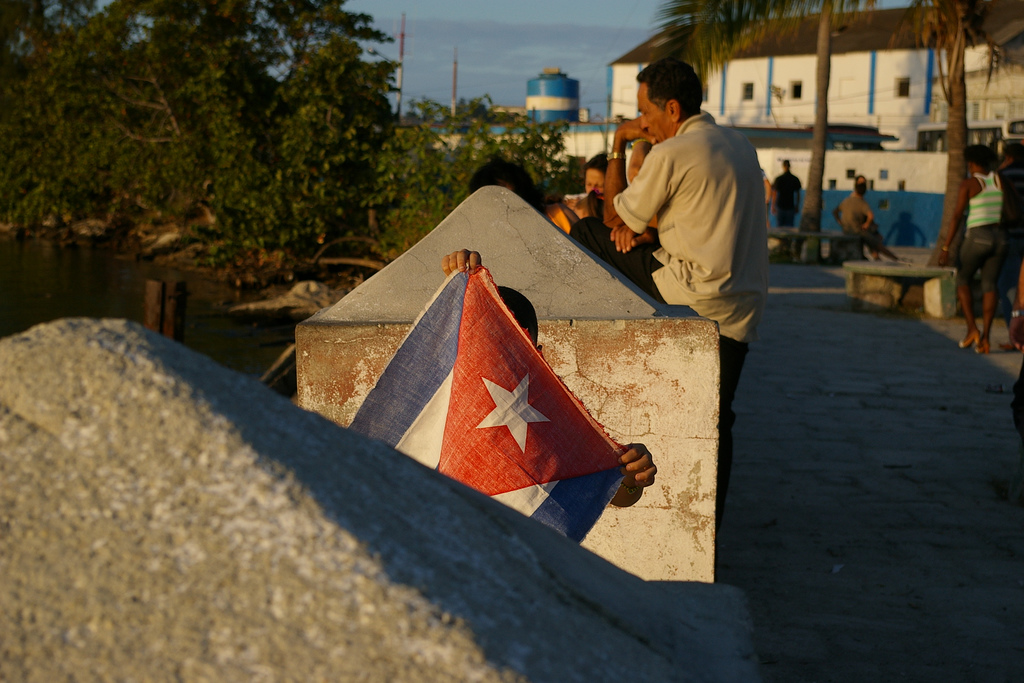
(423, 440)
(527, 500)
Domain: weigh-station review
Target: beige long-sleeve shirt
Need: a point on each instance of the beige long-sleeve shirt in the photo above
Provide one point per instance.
(705, 187)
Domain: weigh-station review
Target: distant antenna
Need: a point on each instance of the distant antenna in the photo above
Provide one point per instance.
(401, 59)
(455, 77)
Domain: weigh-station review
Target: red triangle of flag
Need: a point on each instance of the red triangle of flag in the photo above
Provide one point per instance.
(482, 438)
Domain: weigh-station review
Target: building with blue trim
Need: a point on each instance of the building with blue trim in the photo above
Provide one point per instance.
(879, 78)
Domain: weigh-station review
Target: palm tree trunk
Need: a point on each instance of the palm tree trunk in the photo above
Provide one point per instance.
(810, 219)
(956, 140)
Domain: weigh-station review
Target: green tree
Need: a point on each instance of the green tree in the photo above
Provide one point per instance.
(27, 27)
(261, 111)
(707, 33)
(424, 170)
(949, 27)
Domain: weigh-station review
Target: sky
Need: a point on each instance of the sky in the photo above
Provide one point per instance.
(502, 45)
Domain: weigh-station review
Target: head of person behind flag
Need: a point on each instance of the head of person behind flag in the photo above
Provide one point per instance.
(522, 310)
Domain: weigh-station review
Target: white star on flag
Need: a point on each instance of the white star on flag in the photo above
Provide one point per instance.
(512, 409)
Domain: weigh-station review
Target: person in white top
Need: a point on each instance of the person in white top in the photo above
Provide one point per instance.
(985, 243)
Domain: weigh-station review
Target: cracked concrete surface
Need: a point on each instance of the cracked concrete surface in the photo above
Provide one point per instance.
(164, 518)
(864, 518)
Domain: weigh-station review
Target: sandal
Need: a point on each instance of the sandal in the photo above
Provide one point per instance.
(981, 346)
(970, 340)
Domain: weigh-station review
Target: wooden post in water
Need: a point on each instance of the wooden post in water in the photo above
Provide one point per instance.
(165, 308)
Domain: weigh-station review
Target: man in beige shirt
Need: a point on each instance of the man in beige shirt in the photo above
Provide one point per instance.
(709, 252)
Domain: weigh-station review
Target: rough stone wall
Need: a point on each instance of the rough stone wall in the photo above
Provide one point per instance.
(163, 518)
(653, 381)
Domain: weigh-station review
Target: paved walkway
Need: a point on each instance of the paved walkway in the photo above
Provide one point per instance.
(864, 519)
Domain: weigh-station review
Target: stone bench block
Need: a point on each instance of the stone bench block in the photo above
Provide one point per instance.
(879, 286)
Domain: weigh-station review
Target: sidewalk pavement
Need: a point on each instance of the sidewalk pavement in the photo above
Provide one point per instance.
(864, 518)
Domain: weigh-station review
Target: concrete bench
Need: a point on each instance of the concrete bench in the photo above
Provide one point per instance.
(875, 285)
(842, 247)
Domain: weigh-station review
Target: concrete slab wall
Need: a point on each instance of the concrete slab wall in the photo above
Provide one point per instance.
(651, 381)
(649, 373)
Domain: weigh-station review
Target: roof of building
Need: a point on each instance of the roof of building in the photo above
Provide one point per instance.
(870, 31)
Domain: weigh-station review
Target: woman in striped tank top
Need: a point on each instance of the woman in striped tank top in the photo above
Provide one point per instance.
(985, 242)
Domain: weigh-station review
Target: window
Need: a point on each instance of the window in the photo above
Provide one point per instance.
(851, 173)
(883, 174)
(902, 87)
(704, 95)
(883, 204)
(902, 186)
(796, 90)
(975, 113)
(748, 91)
(831, 183)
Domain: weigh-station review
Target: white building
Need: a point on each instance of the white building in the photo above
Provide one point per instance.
(878, 78)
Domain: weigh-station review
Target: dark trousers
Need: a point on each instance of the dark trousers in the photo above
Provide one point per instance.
(1017, 405)
(732, 353)
(639, 265)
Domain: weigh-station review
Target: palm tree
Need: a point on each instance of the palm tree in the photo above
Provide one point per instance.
(707, 33)
(949, 27)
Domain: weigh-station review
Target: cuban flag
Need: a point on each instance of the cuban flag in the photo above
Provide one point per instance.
(469, 395)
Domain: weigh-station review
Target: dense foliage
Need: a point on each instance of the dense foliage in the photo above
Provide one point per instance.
(259, 112)
(425, 169)
(256, 123)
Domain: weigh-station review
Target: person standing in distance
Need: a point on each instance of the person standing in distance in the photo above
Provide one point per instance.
(786, 197)
(709, 251)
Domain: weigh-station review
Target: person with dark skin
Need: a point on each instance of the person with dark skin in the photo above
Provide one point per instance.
(786, 196)
(855, 217)
(984, 246)
(1012, 172)
(515, 178)
(638, 468)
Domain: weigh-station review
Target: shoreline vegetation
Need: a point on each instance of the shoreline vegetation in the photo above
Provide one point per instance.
(249, 143)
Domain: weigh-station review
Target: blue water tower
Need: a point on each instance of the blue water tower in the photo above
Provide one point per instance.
(553, 96)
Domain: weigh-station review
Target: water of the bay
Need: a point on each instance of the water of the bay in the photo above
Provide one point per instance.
(40, 282)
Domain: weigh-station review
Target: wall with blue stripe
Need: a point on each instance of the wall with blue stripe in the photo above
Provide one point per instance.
(905, 219)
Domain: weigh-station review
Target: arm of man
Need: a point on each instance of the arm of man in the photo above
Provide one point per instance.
(639, 470)
(615, 182)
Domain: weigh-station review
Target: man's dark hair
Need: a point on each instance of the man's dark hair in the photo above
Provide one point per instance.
(1015, 151)
(785, 164)
(670, 79)
(522, 310)
(498, 171)
(981, 155)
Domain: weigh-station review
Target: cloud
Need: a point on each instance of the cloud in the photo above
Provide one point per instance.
(498, 58)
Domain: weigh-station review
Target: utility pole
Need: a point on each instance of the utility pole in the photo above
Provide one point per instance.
(455, 75)
(401, 60)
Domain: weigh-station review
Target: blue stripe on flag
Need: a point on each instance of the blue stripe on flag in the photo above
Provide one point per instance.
(572, 508)
(409, 382)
